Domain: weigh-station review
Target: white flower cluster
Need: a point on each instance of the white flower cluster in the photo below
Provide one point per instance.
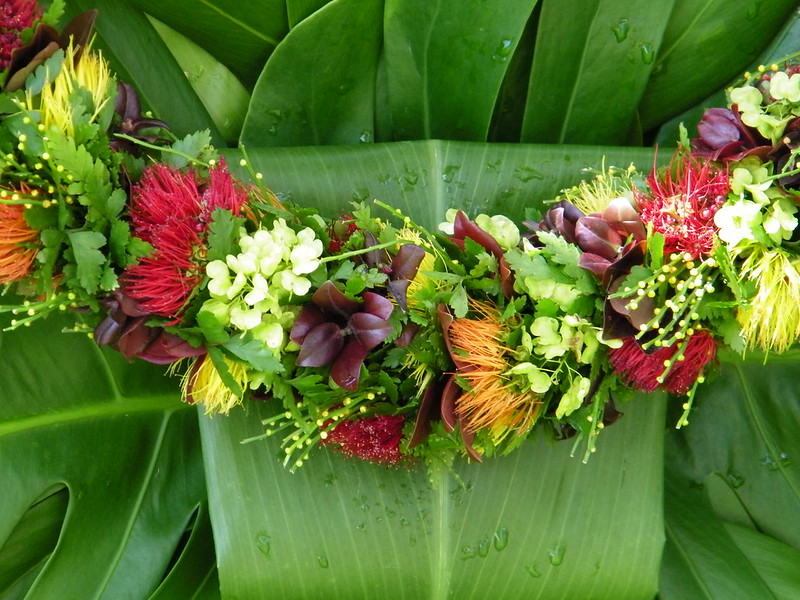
(251, 290)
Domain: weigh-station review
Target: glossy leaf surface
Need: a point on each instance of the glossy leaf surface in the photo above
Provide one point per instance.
(101, 473)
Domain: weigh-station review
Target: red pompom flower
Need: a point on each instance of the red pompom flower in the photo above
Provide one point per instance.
(376, 439)
(15, 16)
(646, 371)
(171, 210)
(682, 202)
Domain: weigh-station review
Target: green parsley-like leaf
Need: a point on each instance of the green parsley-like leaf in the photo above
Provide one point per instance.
(459, 301)
(194, 145)
(255, 353)
(223, 234)
(88, 258)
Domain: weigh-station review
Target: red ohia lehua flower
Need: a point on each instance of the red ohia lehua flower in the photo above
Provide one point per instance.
(171, 210)
(681, 204)
(376, 439)
(645, 371)
(15, 16)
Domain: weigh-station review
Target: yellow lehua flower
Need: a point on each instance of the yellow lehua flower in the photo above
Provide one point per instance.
(203, 385)
(81, 69)
(491, 402)
(771, 319)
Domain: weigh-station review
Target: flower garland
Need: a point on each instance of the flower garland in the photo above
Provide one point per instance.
(368, 333)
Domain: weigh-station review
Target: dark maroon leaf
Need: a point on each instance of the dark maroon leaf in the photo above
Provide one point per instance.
(450, 392)
(377, 305)
(369, 330)
(718, 127)
(464, 228)
(621, 215)
(309, 317)
(136, 337)
(594, 235)
(107, 331)
(167, 348)
(406, 335)
(346, 370)
(469, 438)
(407, 261)
(595, 264)
(321, 345)
(330, 299)
(398, 289)
(428, 411)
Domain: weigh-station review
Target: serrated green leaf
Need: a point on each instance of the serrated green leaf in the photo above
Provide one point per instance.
(223, 234)
(255, 353)
(89, 260)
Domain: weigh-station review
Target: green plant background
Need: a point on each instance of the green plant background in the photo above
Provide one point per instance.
(114, 489)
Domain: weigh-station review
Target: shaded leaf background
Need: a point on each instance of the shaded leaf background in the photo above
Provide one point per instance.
(311, 72)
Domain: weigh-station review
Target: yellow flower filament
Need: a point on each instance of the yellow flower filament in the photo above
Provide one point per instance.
(203, 385)
(771, 319)
(90, 72)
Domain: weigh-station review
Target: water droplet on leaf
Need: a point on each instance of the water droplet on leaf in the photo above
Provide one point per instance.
(533, 571)
(501, 539)
(264, 543)
(322, 560)
(647, 53)
(503, 51)
(483, 547)
(620, 29)
(735, 478)
(556, 555)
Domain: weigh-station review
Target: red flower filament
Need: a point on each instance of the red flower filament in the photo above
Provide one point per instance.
(645, 371)
(682, 203)
(171, 211)
(15, 16)
(376, 439)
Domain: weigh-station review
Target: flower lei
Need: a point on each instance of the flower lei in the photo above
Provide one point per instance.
(368, 333)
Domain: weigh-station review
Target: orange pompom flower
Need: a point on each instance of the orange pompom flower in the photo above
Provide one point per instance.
(17, 248)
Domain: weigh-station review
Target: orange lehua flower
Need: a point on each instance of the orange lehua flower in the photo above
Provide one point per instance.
(15, 257)
(491, 401)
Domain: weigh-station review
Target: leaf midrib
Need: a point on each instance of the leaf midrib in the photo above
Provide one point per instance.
(106, 410)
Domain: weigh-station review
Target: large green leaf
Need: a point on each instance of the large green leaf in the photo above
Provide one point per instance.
(347, 530)
(133, 47)
(536, 524)
(241, 34)
(319, 85)
(443, 76)
(100, 464)
(587, 91)
(705, 45)
(425, 178)
(708, 559)
(734, 486)
(745, 430)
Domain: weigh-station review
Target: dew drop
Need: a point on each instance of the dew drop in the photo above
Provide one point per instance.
(275, 113)
(503, 51)
(331, 478)
(483, 547)
(735, 478)
(449, 172)
(322, 561)
(556, 555)
(468, 552)
(412, 541)
(533, 571)
(753, 11)
(411, 176)
(647, 53)
(362, 527)
(620, 30)
(272, 130)
(525, 173)
(264, 543)
(359, 195)
(365, 137)
(501, 538)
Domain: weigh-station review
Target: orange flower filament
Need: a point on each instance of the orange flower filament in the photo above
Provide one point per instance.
(16, 254)
(491, 401)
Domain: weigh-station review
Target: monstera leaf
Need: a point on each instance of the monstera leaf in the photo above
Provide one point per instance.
(103, 489)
